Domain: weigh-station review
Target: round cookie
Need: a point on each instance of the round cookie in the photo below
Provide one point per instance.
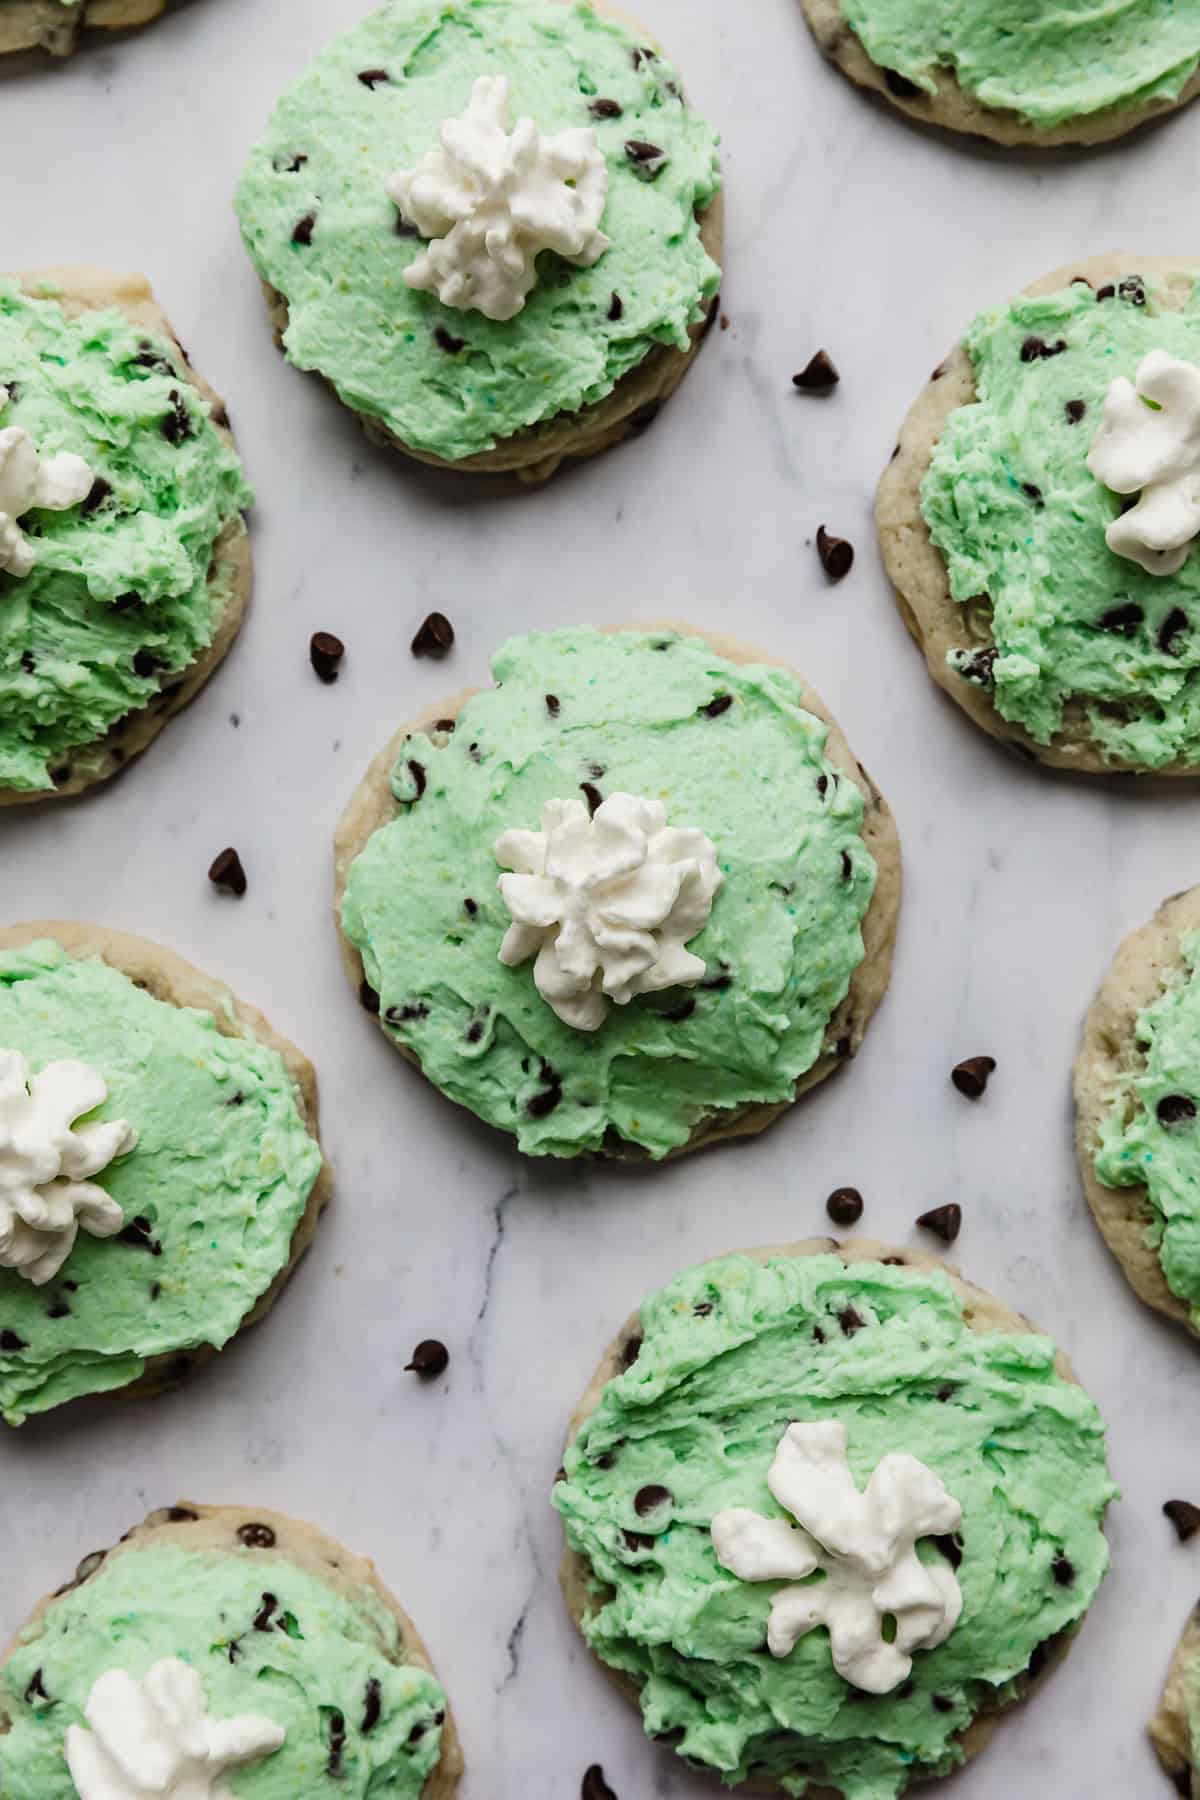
(276, 1618)
(1175, 1728)
(943, 69)
(527, 1072)
(195, 1261)
(916, 1337)
(1057, 347)
(57, 25)
(595, 351)
(1141, 1053)
(137, 594)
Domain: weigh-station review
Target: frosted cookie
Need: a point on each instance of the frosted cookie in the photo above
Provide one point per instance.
(160, 1171)
(1038, 523)
(492, 225)
(1137, 1089)
(57, 25)
(223, 1650)
(1175, 1727)
(1014, 71)
(634, 899)
(124, 560)
(947, 1476)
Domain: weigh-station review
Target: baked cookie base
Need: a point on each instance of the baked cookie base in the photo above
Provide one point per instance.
(167, 977)
(49, 25)
(938, 622)
(953, 108)
(1169, 1730)
(190, 1526)
(1108, 1056)
(980, 1311)
(86, 289)
(372, 806)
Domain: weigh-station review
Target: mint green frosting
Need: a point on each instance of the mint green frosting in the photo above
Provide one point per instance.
(334, 140)
(1048, 63)
(734, 1352)
(312, 1665)
(119, 598)
(780, 946)
(219, 1179)
(1020, 520)
(1151, 1137)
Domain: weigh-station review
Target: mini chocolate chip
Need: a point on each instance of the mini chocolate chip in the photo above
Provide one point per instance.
(434, 637)
(1032, 492)
(226, 871)
(818, 376)
(11, 1341)
(553, 704)
(648, 159)
(256, 1536)
(631, 1349)
(1036, 349)
(643, 55)
(822, 785)
(28, 661)
(650, 1499)
(367, 997)
(473, 753)
(156, 1290)
(715, 983)
(1063, 1570)
(1174, 1110)
(447, 342)
(1124, 619)
(836, 554)
(543, 1104)
(125, 603)
(446, 725)
(637, 1540)
(373, 1706)
(1106, 293)
(417, 771)
(1075, 410)
(942, 1704)
(951, 1548)
(1184, 1517)
(847, 866)
(290, 165)
(373, 78)
(970, 1077)
(845, 1206)
(818, 1335)
(679, 1013)
(850, 1321)
(59, 1308)
(429, 1359)
(303, 231)
(139, 1235)
(979, 667)
(592, 795)
(616, 307)
(1133, 289)
(36, 1689)
(1172, 629)
(900, 85)
(475, 1031)
(264, 1618)
(97, 494)
(596, 771)
(337, 1742)
(717, 706)
(944, 1222)
(946, 1392)
(325, 652)
(594, 1786)
(145, 664)
(606, 109)
(470, 907)
(411, 1013)
(702, 1311)
(178, 423)
(417, 1733)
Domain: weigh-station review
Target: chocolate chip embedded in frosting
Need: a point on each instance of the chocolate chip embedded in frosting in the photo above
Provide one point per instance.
(944, 1222)
(818, 376)
(1184, 1517)
(1063, 1570)
(226, 872)
(373, 78)
(631, 1349)
(836, 554)
(604, 108)
(430, 1359)
(419, 778)
(971, 1076)
(649, 160)
(850, 1321)
(1107, 292)
(325, 652)
(139, 1235)
(594, 1786)
(446, 341)
(592, 795)
(1123, 619)
(721, 703)
(12, 1341)
(616, 308)
(372, 1706)
(97, 494)
(1036, 349)
(979, 667)
(1132, 289)
(1075, 410)
(544, 1103)
(651, 1499)
(434, 636)
(36, 1689)
(845, 1206)
(303, 230)
(368, 999)
(1174, 626)
(951, 1548)
(337, 1742)
(553, 704)
(256, 1536)
(1175, 1110)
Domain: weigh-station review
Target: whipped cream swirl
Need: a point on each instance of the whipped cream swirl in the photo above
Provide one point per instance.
(28, 480)
(1149, 444)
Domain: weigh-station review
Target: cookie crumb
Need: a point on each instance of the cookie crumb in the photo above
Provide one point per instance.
(435, 636)
(836, 554)
(1184, 1517)
(845, 1206)
(226, 871)
(971, 1076)
(944, 1222)
(430, 1358)
(325, 652)
(818, 376)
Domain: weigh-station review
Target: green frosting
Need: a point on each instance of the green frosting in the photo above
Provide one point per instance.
(733, 1353)
(265, 1637)
(1079, 633)
(1151, 1137)
(212, 1192)
(119, 598)
(1048, 63)
(390, 351)
(634, 714)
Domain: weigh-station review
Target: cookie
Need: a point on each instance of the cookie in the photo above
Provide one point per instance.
(1003, 71)
(1137, 1087)
(569, 337)
(280, 1650)
(1175, 1727)
(729, 958)
(773, 1386)
(162, 1173)
(117, 605)
(57, 25)
(997, 534)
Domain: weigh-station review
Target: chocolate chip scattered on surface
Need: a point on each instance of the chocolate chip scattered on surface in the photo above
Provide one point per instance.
(971, 1076)
(944, 1222)
(325, 652)
(226, 872)
(430, 1358)
(594, 1786)
(435, 636)
(1184, 1517)
(836, 554)
(845, 1206)
(818, 376)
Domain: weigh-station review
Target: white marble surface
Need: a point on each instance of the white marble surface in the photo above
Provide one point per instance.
(847, 228)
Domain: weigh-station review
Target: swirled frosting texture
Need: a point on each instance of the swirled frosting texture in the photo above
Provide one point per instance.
(266, 1637)
(729, 1351)
(119, 593)
(336, 137)
(1080, 634)
(1151, 1137)
(726, 749)
(211, 1193)
(1049, 64)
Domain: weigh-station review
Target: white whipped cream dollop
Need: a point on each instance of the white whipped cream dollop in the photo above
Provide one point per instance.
(28, 480)
(605, 903)
(866, 1545)
(1149, 444)
(491, 201)
(45, 1160)
(153, 1739)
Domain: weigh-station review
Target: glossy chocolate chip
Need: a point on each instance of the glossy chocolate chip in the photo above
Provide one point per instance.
(648, 160)
(373, 78)
(845, 1206)
(264, 1618)
(303, 230)
(651, 1499)
(951, 1548)
(944, 1222)
(543, 1104)
(1032, 492)
(1036, 349)
(325, 652)
(1184, 1517)
(226, 872)
(720, 704)
(446, 341)
(703, 1310)
(604, 108)
(419, 778)
(337, 1742)
(368, 999)
(1175, 1110)
(594, 1786)
(372, 1706)
(836, 554)
(592, 795)
(256, 1536)
(616, 308)
(139, 1235)
(818, 376)
(1063, 1570)
(1075, 410)
(430, 1358)
(553, 704)
(971, 1076)
(1123, 619)
(631, 1349)
(1107, 292)
(434, 636)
